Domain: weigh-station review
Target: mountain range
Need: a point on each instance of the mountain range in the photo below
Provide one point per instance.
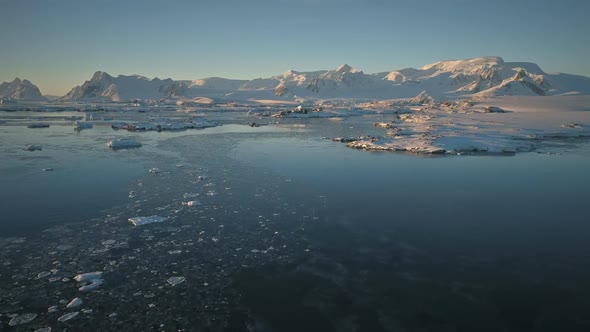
(477, 78)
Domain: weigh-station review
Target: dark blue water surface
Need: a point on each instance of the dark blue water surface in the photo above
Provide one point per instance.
(294, 232)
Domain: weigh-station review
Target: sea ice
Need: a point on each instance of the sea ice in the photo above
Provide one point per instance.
(33, 147)
(140, 221)
(76, 302)
(79, 125)
(22, 319)
(123, 143)
(176, 280)
(93, 285)
(88, 276)
(68, 316)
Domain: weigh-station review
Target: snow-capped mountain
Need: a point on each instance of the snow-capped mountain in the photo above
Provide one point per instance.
(20, 90)
(104, 87)
(478, 78)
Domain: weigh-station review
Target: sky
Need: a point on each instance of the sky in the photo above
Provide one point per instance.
(59, 44)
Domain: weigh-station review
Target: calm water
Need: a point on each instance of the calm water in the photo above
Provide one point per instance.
(295, 232)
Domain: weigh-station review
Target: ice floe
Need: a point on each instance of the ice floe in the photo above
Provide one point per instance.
(88, 276)
(68, 316)
(140, 221)
(95, 283)
(76, 302)
(79, 125)
(22, 319)
(176, 280)
(33, 147)
(123, 143)
(162, 124)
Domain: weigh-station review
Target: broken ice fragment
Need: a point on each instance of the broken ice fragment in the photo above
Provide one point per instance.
(76, 302)
(154, 170)
(33, 147)
(43, 329)
(88, 276)
(140, 221)
(192, 203)
(22, 319)
(43, 274)
(79, 125)
(93, 285)
(176, 280)
(123, 143)
(69, 316)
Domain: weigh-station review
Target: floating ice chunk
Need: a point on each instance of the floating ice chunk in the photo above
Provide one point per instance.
(43, 274)
(48, 169)
(176, 280)
(494, 109)
(38, 125)
(140, 221)
(190, 195)
(43, 329)
(33, 147)
(22, 319)
(385, 125)
(79, 125)
(154, 170)
(53, 308)
(88, 276)
(192, 203)
(572, 125)
(123, 143)
(76, 302)
(69, 316)
(93, 285)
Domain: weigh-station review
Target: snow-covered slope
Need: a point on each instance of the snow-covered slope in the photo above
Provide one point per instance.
(20, 90)
(479, 78)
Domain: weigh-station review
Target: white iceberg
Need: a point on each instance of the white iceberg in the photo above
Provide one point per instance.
(140, 221)
(123, 143)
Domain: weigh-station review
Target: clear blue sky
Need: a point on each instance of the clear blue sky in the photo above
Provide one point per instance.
(58, 44)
